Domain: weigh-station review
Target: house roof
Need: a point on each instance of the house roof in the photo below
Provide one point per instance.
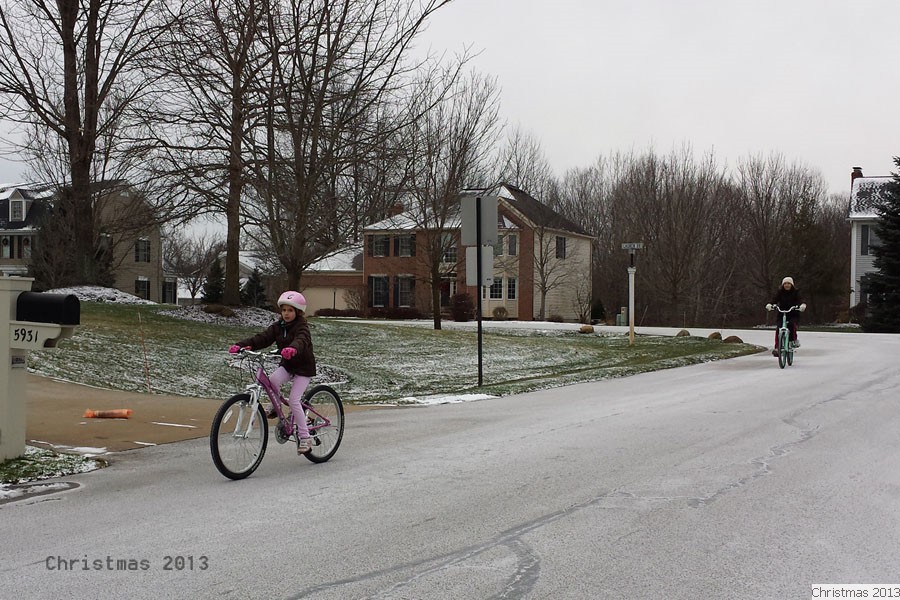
(35, 194)
(402, 222)
(32, 209)
(537, 212)
(530, 208)
(866, 193)
(248, 260)
(345, 259)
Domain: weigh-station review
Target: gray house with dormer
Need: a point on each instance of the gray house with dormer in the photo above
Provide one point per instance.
(865, 194)
(20, 208)
(127, 230)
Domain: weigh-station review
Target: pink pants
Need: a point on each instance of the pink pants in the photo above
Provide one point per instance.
(299, 383)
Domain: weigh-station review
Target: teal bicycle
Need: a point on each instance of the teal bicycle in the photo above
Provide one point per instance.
(784, 347)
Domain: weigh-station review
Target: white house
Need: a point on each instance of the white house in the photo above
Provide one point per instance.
(865, 193)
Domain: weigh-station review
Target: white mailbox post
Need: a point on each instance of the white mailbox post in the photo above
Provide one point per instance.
(28, 321)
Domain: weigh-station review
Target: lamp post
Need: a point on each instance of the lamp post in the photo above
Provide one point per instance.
(632, 248)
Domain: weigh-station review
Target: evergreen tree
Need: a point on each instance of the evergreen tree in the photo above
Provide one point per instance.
(254, 292)
(883, 285)
(214, 286)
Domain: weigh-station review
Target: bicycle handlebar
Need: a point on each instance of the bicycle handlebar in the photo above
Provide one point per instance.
(254, 356)
(778, 308)
(257, 353)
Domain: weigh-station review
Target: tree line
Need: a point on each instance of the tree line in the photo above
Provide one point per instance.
(299, 123)
(716, 241)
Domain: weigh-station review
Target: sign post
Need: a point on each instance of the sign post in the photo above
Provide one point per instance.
(479, 229)
(632, 248)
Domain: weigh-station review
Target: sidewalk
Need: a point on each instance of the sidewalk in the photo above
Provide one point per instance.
(55, 417)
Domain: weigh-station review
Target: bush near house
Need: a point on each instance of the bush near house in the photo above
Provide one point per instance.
(395, 313)
(339, 312)
(462, 308)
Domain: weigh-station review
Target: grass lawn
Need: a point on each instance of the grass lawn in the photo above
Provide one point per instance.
(140, 347)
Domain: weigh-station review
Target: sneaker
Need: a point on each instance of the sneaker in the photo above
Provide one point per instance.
(796, 345)
(775, 352)
(272, 414)
(304, 445)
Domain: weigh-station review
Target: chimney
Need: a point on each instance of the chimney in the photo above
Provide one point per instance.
(396, 209)
(857, 173)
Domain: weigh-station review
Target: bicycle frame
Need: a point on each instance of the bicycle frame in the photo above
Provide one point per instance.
(785, 349)
(240, 429)
(263, 383)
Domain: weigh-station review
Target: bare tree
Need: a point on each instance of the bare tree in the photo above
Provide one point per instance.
(523, 163)
(586, 198)
(190, 257)
(671, 204)
(338, 68)
(211, 65)
(449, 147)
(68, 70)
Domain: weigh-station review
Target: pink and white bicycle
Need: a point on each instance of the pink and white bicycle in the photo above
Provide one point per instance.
(240, 431)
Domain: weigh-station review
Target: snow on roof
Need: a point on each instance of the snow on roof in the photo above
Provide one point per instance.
(407, 220)
(866, 193)
(250, 259)
(341, 260)
(32, 190)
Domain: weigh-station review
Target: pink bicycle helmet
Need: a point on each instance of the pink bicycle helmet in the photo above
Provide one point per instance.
(291, 298)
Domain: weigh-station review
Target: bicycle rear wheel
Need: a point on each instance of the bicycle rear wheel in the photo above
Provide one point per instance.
(238, 437)
(782, 348)
(790, 353)
(326, 422)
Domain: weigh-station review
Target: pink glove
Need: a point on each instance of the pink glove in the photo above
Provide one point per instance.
(288, 353)
(234, 349)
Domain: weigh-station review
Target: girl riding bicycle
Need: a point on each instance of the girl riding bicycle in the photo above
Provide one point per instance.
(786, 298)
(298, 364)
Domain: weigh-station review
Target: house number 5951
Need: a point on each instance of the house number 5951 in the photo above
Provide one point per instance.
(24, 335)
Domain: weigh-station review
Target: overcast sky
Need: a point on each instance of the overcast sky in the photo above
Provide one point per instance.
(815, 80)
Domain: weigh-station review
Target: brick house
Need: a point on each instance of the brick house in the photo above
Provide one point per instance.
(127, 230)
(865, 192)
(542, 262)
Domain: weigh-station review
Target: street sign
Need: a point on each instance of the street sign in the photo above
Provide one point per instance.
(633, 246)
(487, 265)
(469, 218)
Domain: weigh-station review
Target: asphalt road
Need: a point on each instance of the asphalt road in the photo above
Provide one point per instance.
(733, 479)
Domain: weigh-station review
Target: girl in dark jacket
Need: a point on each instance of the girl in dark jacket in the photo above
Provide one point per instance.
(786, 297)
(298, 364)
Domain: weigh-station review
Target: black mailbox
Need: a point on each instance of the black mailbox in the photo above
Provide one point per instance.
(37, 307)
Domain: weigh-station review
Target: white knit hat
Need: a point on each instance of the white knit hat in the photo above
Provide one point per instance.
(789, 280)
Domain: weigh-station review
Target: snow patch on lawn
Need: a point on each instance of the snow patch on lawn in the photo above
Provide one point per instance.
(92, 293)
(243, 317)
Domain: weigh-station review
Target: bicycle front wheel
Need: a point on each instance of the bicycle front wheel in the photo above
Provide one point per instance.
(325, 417)
(782, 348)
(238, 437)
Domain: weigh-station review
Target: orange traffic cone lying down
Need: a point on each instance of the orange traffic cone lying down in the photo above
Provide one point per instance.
(117, 413)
